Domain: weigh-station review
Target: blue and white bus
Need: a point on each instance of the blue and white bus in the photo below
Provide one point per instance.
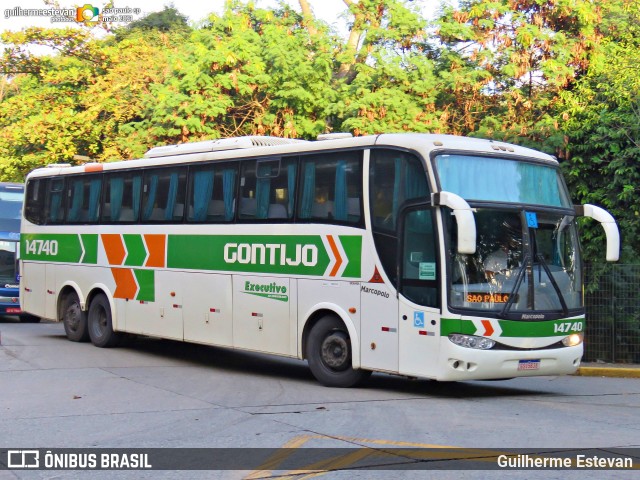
(11, 199)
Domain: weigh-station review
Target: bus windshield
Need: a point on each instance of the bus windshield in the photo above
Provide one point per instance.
(11, 197)
(10, 207)
(7, 262)
(502, 180)
(525, 262)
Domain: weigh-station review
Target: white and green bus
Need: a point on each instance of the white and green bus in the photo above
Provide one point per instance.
(433, 256)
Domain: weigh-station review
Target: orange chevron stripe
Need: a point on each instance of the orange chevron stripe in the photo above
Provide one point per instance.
(156, 245)
(126, 286)
(336, 253)
(488, 328)
(114, 248)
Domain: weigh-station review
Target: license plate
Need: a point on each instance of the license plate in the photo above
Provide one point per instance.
(529, 365)
(14, 310)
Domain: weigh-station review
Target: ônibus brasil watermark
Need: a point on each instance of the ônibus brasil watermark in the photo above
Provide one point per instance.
(87, 14)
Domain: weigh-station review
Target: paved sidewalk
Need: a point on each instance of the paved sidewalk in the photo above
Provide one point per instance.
(620, 370)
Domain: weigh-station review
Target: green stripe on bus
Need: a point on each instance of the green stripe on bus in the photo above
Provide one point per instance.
(311, 255)
(136, 251)
(274, 254)
(516, 328)
(146, 282)
(59, 247)
(90, 244)
(352, 245)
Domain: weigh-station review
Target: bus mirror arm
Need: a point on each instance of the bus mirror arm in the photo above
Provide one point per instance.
(464, 219)
(608, 223)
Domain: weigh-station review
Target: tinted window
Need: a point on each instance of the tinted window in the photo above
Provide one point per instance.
(35, 201)
(419, 258)
(267, 189)
(164, 195)
(83, 199)
(123, 192)
(331, 187)
(394, 178)
(55, 201)
(503, 180)
(212, 196)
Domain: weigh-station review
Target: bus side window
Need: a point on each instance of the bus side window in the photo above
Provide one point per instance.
(212, 193)
(267, 189)
(332, 188)
(419, 259)
(55, 204)
(83, 199)
(35, 201)
(164, 195)
(394, 177)
(122, 197)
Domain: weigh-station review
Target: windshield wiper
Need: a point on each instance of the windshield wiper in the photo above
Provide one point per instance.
(542, 262)
(520, 277)
(516, 287)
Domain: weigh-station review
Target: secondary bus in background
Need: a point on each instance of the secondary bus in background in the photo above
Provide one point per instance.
(434, 256)
(11, 197)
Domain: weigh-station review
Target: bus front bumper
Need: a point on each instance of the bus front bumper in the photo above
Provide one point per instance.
(460, 363)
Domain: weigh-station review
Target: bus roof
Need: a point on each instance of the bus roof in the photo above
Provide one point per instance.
(11, 187)
(255, 146)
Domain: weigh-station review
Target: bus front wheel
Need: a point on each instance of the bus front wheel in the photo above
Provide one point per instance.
(329, 354)
(74, 319)
(99, 323)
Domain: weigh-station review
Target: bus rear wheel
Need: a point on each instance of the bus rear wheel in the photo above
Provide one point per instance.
(329, 354)
(99, 323)
(74, 319)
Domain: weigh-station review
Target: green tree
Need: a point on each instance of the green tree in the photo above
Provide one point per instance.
(504, 63)
(167, 19)
(57, 106)
(601, 121)
(249, 71)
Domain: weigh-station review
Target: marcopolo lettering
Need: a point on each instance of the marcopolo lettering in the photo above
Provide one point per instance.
(374, 291)
(271, 254)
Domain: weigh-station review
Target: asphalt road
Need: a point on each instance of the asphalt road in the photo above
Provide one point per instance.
(154, 393)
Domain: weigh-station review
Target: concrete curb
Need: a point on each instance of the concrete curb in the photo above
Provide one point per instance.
(618, 372)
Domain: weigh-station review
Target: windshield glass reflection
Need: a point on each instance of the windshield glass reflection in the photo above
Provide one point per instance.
(517, 268)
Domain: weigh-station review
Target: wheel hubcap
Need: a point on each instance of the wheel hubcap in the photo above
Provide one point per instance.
(73, 316)
(100, 325)
(335, 351)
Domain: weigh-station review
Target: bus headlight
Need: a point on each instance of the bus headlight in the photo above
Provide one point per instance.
(471, 341)
(572, 340)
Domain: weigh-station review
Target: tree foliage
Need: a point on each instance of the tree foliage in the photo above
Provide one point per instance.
(557, 75)
(602, 123)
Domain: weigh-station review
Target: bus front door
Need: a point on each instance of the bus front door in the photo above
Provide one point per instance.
(419, 299)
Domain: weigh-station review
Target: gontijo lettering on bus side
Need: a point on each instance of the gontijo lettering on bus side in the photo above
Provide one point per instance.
(317, 255)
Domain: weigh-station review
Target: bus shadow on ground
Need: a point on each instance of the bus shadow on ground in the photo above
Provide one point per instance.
(265, 365)
(279, 368)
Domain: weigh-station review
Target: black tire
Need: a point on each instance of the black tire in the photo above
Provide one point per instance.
(329, 354)
(29, 319)
(99, 323)
(74, 319)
